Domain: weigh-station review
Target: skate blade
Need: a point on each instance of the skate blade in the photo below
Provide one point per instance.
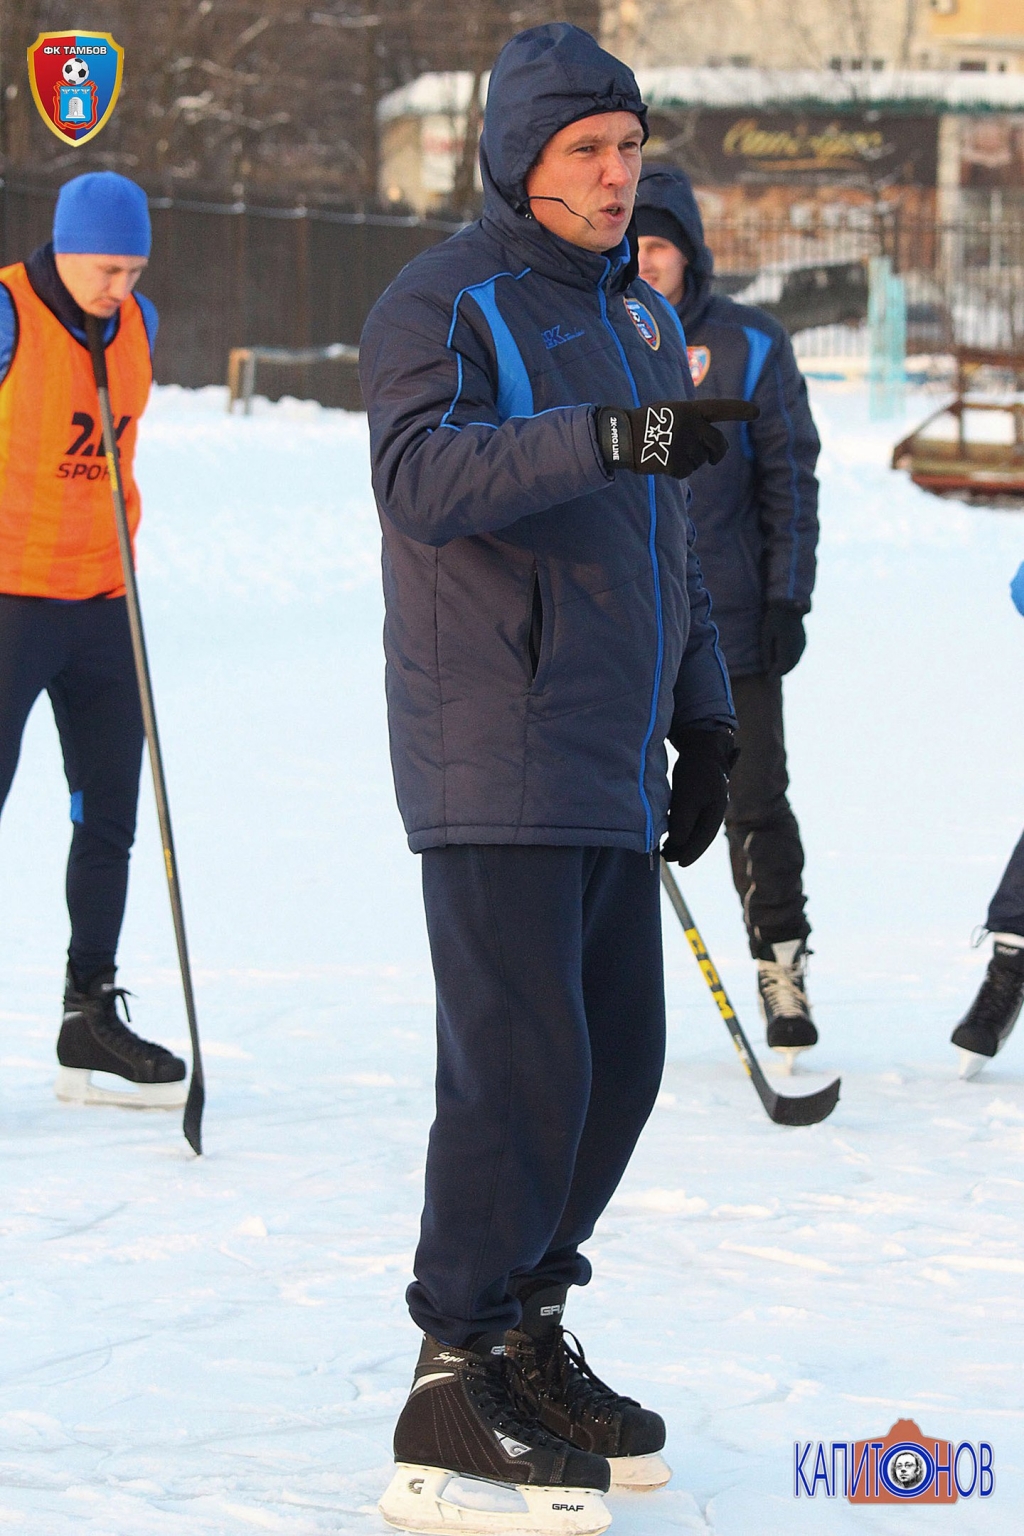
(640, 1472)
(74, 1085)
(788, 1055)
(428, 1499)
(971, 1062)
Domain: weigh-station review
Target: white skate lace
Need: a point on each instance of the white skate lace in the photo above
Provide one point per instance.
(782, 989)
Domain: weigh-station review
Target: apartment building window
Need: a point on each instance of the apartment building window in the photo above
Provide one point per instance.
(973, 66)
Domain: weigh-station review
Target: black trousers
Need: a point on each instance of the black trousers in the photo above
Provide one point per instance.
(550, 1048)
(80, 653)
(764, 839)
(1006, 909)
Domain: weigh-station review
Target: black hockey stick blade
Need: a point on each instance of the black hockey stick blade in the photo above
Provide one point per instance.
(783, 1109)
(801, 1109)
(192, 1120)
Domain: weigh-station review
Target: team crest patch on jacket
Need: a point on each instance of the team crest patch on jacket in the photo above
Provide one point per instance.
(644, 322)
(700, 362)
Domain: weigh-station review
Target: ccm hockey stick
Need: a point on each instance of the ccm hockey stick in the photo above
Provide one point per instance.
(193, 1118)
(784, 1109)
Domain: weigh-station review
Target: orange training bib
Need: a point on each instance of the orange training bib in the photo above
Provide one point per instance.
(58, 537)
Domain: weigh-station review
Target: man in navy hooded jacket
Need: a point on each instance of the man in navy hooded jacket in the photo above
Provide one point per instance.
(547, 629)
(757, 527)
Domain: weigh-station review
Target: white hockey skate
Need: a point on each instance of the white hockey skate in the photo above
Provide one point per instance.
(471, 1457)
(642, 1474)
(782, 998)
(572, 1401)
(987, 1024)
(429, 1499)
(74, 1085)
(95, 1039)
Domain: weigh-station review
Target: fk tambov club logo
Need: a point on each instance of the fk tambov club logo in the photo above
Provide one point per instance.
(75, 79)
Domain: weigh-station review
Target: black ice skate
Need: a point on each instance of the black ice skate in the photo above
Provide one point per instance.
(93, 1038)
(572, 1402)
(782, 995)
(985, 1027)
(471, 1456)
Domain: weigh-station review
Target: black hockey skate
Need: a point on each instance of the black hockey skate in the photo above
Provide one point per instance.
(93, 1038)
(985, 1027)
(782, 995)
(569, 1399)
(471, 1455)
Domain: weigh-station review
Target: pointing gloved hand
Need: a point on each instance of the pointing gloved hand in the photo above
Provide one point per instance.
(672, 437)
(782, 636)
(700, 792)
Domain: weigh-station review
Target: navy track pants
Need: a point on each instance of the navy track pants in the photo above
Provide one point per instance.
(1006, 909)
(550, 1049)
(80, 653)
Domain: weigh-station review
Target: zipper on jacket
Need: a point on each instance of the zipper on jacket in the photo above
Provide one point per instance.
(653, 552)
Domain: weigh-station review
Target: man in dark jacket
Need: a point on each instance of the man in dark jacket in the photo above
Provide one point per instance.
(547, 628)
(757, 528)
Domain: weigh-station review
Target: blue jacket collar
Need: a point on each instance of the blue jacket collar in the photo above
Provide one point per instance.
(537, 248)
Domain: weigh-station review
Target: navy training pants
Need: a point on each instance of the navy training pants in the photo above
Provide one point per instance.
(764, 839)
(1006, 910)
(80, 653)
(550, 1048)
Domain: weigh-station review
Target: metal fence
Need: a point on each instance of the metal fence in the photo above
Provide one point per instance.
(964, 280)
(227, 275)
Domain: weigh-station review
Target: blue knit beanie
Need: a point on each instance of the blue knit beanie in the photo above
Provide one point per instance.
(101, 214)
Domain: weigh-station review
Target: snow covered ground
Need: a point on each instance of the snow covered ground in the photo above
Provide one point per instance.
(221, 1346)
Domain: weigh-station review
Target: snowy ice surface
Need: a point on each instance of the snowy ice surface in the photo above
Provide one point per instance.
(221, 1346)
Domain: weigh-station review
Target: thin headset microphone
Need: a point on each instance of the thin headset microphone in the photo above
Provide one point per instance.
(539, 198)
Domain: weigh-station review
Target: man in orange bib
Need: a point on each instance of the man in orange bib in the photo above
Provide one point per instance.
(63, 620)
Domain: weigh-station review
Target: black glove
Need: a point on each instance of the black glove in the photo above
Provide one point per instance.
(672, 437)
(782, 636)
(700, 790)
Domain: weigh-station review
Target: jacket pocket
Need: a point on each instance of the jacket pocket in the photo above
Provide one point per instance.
(535, 627)
(540, 625)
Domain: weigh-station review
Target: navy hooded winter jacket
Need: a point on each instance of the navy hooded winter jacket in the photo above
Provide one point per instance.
(546, 623)
(756, 512)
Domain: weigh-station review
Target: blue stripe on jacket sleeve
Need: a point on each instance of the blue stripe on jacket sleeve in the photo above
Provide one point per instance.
(8, 331)
(758, 347)
(515, 392)
(510, 355)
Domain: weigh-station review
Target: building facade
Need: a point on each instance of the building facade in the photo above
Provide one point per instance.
(853, 35)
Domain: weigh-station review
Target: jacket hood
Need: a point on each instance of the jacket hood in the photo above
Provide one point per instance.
(667, 189)
(544, 79)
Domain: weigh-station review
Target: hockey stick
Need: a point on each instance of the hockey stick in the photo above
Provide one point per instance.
(193, 1117)
(804, 1109)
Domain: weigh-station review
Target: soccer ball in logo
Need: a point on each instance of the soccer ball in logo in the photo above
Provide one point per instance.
(75, 71)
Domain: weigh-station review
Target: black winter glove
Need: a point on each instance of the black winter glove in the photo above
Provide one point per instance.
(700, 790)
(672, 437)
(782, 637)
